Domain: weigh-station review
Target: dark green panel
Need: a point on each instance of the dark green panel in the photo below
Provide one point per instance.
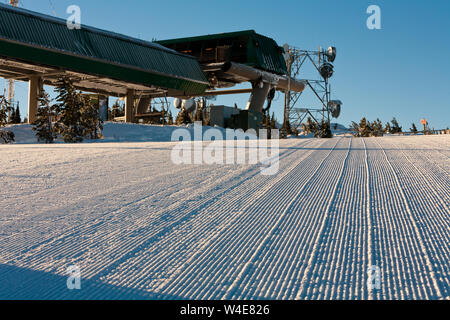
(49, 58)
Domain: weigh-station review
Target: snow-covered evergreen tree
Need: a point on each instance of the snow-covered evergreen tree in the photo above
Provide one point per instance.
(70, 103)
(364, 128)
(387, 128)
(183, 117)
(324, 130)
(199, 114)
(170, 120)
(376, 128)
(395, 128)
(354, 128)
(90, 118)
(17, 119)
(286, 129)
(117, 110)
(45, 130)
(6, 136)
(310, 126)
(12, 116)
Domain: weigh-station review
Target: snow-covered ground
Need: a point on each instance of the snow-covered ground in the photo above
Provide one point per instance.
(113, 132)
(139, 226)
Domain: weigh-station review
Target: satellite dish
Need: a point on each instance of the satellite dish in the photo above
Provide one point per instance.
(335, 106)
(326, 70)
(331, 54)
(336, 111)
(177, 103)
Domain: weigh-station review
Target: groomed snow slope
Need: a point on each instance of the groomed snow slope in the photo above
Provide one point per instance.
(139, 226)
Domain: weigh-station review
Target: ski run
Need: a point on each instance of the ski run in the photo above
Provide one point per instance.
(140, 227)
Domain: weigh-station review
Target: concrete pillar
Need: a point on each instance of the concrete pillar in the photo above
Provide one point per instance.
(258, 96)
(129, 106)
(34, 89)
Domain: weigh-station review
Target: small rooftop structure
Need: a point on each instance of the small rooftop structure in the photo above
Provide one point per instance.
(244, 47)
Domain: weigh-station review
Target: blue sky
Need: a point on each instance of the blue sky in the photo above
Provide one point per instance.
(401, 71)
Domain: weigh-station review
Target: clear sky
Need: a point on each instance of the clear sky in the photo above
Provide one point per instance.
(402, 70)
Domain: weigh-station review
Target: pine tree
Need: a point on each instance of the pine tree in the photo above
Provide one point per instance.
(427, 131)
(12, 116)
(6, 136)
(395, 127)
(354, 128)
(206, 115)
(267, 121)
(3, 114)
(273, 122)
(364, 128)
(117, 110)
(414, 129)
(69, 107)
(380, 128)
(110, 118)
(324, 131)
(17, 116)
(286, 129)
(45, 130)
(90, 118)
(310, 126)
(163, 116)
(376, 128)
(199, 114)
(183, 117)
(388, 128)
(170, 120)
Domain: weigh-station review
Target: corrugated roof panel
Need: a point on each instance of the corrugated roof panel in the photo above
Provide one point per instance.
(268, 54)
(44, 32)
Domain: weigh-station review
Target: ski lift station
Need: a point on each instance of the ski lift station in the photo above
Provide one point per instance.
(41, 49)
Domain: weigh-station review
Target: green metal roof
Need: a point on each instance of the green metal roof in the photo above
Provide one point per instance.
(41, 39)
(262, 52)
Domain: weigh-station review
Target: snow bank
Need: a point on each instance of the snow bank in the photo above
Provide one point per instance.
(114, 132)
(128, 132)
